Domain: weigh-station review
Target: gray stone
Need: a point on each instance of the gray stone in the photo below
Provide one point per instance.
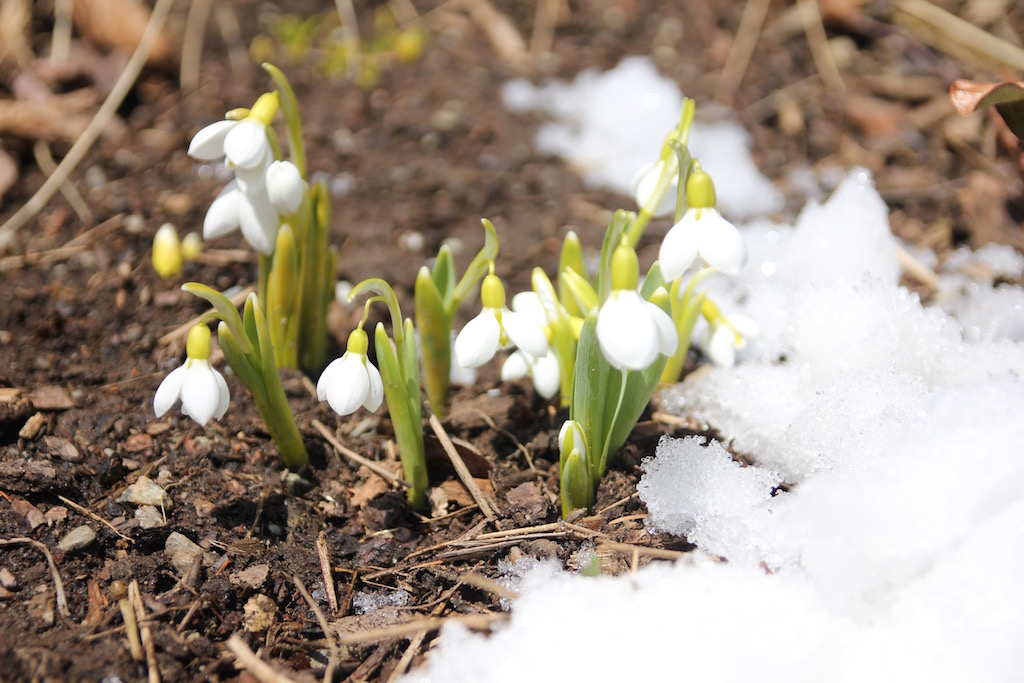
(145, 491)
(149, 517)
(77, 538)
(182, 553)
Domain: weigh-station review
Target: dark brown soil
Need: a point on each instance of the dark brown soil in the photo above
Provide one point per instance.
(81, 328)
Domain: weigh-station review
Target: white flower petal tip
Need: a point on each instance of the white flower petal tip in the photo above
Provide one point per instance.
(632, 332)
(479, 340)
(222, 216)
(284, 186)
(350, 382)
(702, 233)
(259, 221)
(525, 333)
(545, 372)
(208, 143)
(202, 390)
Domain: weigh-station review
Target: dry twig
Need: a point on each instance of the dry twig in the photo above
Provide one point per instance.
(486, 505)
(58, 584)
(355, 457)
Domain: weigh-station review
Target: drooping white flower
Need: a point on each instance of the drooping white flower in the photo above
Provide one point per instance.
(284, 186)
(253, 212)
(352, 380)
(703, 233)
(496, 327)
(243, 142)
(203, 392)
(544, 371)
(632, 331)
(723, 337)
(644, 183)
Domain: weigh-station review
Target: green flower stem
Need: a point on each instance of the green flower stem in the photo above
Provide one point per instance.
(686, 308)
(290, 109)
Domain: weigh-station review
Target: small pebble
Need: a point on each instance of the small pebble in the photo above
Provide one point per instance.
(182, 552)
(145, 491)
(149, 517)
(77, 538)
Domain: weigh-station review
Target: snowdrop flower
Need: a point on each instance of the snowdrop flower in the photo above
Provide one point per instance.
(722, 338)
(352, 380)
(243, 142)
(496, 327)
(630, 330)
(570, 437)
(644, 183)
(701, 232)
(544, 370)
(284, 186)
(202, 390)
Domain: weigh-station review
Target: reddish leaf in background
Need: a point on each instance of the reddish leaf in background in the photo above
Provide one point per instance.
(1006, 97)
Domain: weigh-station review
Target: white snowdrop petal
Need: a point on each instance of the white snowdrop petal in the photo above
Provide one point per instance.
(222, 216)
(644, 183)
(679, 248)
(259, 221)
(375, 394)
(327, 376)
(515, 367)
(578, 442)
(529, 305)
(721, 243)
(223, 396)
(246, 144)
(547, 376)
(254, 179)
(720, 345)
(169, 391)
(668, 339)
(525, 333)
(200, 392)
(348, 385)
(625, 331)
(208, 143)
(478, 341)
(284, 186)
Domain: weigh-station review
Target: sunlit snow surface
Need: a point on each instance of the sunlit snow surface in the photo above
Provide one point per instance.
(896, 552)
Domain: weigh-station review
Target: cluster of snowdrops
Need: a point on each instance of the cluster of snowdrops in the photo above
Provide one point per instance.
(603, 341)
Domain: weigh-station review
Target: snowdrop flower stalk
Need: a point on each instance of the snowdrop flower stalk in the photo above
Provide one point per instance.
(437, 297)
(399, 375)
(246, 343)
(202, 390)
(620, 355)
(282, 218)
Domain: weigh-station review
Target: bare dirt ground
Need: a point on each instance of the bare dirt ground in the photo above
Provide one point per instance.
(415, 158)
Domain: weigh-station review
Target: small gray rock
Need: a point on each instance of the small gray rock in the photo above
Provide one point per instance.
(182, 552)
(145, 491)
(149, 517)
(77, 538)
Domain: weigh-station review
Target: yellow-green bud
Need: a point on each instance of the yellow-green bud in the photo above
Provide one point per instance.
(358, 342)
(576, 487)
(265, 108)
(191, 246)
(197, 347)
(625, 267)
(700, 189)
(492, 292)
(167, 259)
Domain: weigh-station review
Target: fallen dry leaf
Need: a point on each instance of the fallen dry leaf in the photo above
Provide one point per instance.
(1007, 97)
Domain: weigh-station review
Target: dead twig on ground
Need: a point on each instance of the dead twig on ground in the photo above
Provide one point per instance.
(96, 126)
(741, 50)
(425, 625)
(355, 457)
(486, 505)
(248, 660)
(58, 584)
(335, 655)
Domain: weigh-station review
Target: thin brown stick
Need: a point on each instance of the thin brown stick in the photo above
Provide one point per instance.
(821, 51)
(478, 580)
(545, 18)
(58, 584)
(355, 457)
(741, 50)
(955, 36)
(135, 598)
(90, 513)
(414, 645)
(131, 629)
(486, 506)
(633, 495)
(425, 625)
(46, 164)
(489, 421)
(629, 549)
(325, 569)
(332, 661)
(247, 659)
(96, 126)
(192, 43)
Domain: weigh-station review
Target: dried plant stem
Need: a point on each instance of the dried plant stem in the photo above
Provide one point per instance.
(58, 584)
(355, 457)
(41, 151)
(192, 43)
(96, 126)
(247, 659)
(486, 506)
(741, 50)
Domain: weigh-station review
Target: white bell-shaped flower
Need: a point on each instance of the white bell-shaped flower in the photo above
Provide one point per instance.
(544, 370)
(496, 327)
(244, 142)
(352, 380)
(723, 337)
(284, 186)
(632, 331)
(644, 183)
(203, 392)
(703, 233)
(252, 211)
